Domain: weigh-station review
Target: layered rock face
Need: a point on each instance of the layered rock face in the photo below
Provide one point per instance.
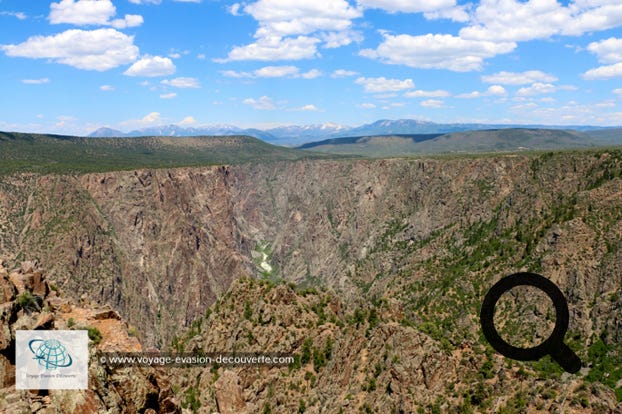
(426, 237)
(160, 246)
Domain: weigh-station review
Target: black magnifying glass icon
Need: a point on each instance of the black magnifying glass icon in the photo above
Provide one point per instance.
(554, 345)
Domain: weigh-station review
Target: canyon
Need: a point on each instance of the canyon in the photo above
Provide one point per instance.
(385, 259)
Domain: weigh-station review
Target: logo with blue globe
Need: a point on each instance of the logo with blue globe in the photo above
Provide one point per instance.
(50, 353)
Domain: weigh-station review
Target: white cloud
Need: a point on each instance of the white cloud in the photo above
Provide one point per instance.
(439, 93)
(518, 78)
(35, 81)
(433, 103)
(537, 88)
(407, 6)
(493, 90)
(608, 50)
(235, 74)
(273, 72)
(310, 108)
(286, 26)
(145, 1)
(366, 106)
(334, 40)
(296, 17)
(264, 103)
(90, 12)
(312, 74)
(604, 72)
(152, 118)
(182, 82)
(18, 15)
(457, 14)
(382, 84)
(234, 9)
(100, 49)
(514, 20)
(151, 66)
(617, 91)
(342, 73)
(436, 51)
(189, 120)
(168, 95)
(276, 71)
(106, 88)
(130, 20)
(275, 48)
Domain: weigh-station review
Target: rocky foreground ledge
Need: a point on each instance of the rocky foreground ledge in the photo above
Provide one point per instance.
(28, 302)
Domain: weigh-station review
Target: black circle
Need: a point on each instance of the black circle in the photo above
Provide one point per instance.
(552, 343)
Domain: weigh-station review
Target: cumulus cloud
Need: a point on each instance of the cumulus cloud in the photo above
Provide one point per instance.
(189, 120)
(439, 93)
(604, 72)
(275, 48)
(457, 14)
(106, 88)
(310, 108)
(537, 88)
(295, 17)
(518, 78)
(433, 103)
(407, 6)
(100, 49)
(151, 66)
(366, 106)
(608, 50)
(436, 51)
(382, 84)
(312, 74)
(274, 72)
(182, 82)
(494, 90)
(263, 103)
(152, 118)
(90, 12)
(514, 20)
(168, 95)
(286, 28)
(342, 73)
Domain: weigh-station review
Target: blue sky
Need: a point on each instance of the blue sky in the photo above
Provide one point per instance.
(72, 66)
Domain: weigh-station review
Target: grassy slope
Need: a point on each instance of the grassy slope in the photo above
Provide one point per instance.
(22, 152)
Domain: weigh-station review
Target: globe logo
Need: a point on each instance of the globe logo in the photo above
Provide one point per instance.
(50, 353)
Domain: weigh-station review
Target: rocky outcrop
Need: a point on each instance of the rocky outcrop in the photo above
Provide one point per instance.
(357, 360)
(29, 303)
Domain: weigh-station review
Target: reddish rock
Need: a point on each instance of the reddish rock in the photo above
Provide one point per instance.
(7, 372)
(229, 394)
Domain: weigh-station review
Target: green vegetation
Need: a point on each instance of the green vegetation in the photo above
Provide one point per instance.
(22, 152)
(28, 302)
(606, 360)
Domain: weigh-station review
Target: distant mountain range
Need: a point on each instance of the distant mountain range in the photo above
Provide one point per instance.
(296, 135)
